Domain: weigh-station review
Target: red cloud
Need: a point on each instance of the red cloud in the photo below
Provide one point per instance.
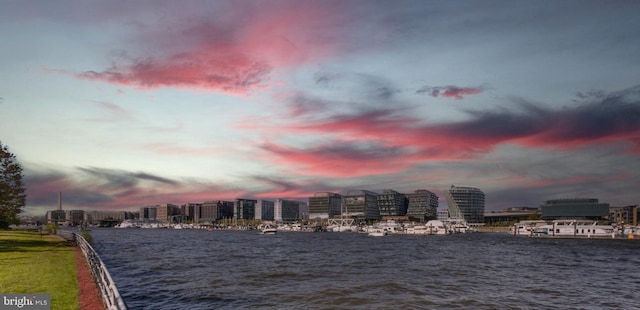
(234, 53)
(228, 74)
(383, 142)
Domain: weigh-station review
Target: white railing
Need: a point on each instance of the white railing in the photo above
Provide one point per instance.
(108, 289)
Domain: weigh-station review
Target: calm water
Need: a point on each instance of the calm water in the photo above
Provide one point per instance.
(195, 269)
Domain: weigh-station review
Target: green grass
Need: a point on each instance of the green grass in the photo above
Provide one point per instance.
(30, 263)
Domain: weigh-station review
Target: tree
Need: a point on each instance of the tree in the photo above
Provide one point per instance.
(12, 191)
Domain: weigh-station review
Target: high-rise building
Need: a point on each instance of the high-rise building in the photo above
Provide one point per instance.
(392, 203)
(245, 209)
(286, 210)
(324, 205)
(361, 204)
(165, 212)
(466, 203)
(264, 210)
(193, 212)
(423, 205)
(149, 213)
(216, 210)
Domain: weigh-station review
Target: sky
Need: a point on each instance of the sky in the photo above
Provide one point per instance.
(124, 104)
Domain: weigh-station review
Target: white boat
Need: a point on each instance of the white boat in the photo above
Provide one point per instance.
(436, 227)
(575, 229)
(391, 227)
(267, 229)
(526, 228)
(631, 232)
(127, 224)
(377, 232)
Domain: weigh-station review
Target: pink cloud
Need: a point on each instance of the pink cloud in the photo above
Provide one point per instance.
(233, 54)
(366, 143)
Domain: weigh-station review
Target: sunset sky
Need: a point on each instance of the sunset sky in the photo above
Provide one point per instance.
(122, 104)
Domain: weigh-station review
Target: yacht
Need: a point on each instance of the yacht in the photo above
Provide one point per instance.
(575, 229)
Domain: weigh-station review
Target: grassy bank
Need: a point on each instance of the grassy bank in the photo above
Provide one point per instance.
(30, 263)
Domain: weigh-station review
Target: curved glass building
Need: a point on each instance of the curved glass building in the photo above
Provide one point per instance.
(466, 203)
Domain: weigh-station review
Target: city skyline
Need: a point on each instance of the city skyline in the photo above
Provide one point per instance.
(121, 104)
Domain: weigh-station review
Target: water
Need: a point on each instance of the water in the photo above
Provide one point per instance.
(197, 269)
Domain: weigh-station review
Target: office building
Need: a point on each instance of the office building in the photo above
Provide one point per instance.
(264, 210)
(286, 210)
(392, 203)
(245, 209)
(574, 208)
(466, 203)
(361, 204)
(324, 205)
(422, 205)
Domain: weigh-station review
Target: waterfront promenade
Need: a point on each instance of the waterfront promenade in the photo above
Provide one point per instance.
(35, 263)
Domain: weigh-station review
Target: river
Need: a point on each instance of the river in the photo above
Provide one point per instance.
(199, 269)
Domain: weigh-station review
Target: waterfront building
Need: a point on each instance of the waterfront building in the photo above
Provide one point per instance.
(245, 209)
(75, 217)
(624, 215)
(165, 212)
(361, 204)
(286, 210)
(148, 213)
(304, 210)
(422, 205)
(443, 215)
(466, 203)
(192, 211)
(510, 215)
(213, 210)
(264, 210)
(574, 208)
(99, 217)
(324, 205)
(56, 216)
(392, 203)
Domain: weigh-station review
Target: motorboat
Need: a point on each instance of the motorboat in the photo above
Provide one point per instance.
(377, 232)
(267, 229)
(526, 228)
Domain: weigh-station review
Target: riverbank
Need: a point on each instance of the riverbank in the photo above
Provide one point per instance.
(35, 263)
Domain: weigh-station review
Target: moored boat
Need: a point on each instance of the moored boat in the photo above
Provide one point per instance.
(377, 232)
(575, 229)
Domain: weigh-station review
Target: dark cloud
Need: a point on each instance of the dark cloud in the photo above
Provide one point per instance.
(449, 91)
